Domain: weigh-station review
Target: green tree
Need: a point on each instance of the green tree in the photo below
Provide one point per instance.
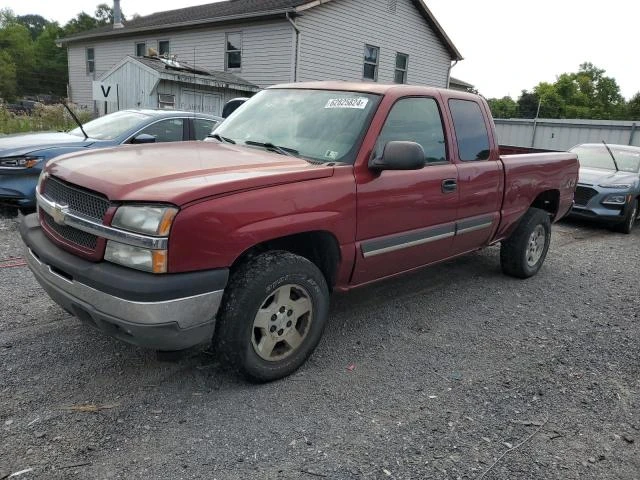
(504, 107)
(51, 61)
(80, 23)
(15, 40)
(633, 108)
(8, 78)
(587, 93)
(34, 23)
(528, 104)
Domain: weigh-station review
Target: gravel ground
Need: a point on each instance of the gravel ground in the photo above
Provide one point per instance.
(434, 375)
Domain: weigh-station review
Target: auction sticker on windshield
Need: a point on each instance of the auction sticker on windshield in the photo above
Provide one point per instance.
(358, 102)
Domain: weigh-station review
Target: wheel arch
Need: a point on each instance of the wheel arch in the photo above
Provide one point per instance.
(549, 201)
(320, 247)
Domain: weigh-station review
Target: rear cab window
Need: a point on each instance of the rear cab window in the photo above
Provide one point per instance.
(471, 130)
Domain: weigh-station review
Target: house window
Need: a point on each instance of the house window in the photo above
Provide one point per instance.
(141, 49)
(91, 61)
(164, 48)
(371, 57)
(402, 62)
(166, 102)
(233, 51)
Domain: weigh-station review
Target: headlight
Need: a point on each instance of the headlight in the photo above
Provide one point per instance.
(154, 261)
(615, 200)
(145, 219)
(615, 185)
(26, 161)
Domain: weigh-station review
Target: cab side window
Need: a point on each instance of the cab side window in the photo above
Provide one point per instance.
(471, 131)
(170, 130)
(415, 120)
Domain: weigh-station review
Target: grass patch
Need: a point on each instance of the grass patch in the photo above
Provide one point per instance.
(45, 118)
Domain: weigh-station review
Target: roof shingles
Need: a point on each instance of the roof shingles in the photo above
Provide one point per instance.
(230, 10)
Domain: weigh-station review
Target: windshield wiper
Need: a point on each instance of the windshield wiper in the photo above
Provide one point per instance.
(289, 152)
(73, 115)
(612, 155)
(221, 138)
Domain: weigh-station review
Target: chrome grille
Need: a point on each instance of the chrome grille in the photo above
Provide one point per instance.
(71, 234)
(81, 201)
(583, 195)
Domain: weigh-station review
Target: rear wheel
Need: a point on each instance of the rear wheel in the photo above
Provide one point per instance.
(523, 254)
(630, 219)
(273, 315)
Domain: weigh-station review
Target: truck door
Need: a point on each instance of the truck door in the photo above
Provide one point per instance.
(480, 176)
(406, 219)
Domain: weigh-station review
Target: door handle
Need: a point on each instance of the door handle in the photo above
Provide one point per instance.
(449, 185)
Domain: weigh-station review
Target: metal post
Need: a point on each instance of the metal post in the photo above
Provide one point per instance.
(118, 96)
(633, 132)
(535, 125)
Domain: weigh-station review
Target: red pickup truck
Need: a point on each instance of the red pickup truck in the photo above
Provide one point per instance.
(306, 189)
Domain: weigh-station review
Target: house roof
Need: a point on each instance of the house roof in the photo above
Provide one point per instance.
(229, 11)
(460, 83)
(180, 71)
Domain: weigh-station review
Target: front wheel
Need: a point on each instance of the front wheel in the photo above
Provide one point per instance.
(524, 252)
(630, 219)
(273, 315)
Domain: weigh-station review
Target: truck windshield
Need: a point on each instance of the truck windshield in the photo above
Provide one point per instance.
(320, 125)
(111, 126)
(597, 156)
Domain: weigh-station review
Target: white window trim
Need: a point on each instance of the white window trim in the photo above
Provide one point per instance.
(365, 62)
(164, 40)
(227, 51)
(93, 60)
(405, 70)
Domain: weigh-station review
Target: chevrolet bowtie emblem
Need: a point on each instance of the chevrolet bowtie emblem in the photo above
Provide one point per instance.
(59, 213)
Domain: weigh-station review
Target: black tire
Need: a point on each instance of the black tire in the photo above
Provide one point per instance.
(515, 251)
(250, 285)
(629, 220)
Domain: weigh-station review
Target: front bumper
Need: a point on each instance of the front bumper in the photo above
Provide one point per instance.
(163, 312)
(19, 190)
(593, 209)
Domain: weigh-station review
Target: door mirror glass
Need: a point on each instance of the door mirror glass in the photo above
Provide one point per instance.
(144, 138)
(399, 155)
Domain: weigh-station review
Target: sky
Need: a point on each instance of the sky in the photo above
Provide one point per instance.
(508, 45)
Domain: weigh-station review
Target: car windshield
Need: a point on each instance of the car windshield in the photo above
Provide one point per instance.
(597, 156)
(318, 125)
(111, 126)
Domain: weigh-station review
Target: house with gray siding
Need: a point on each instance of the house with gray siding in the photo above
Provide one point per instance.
(265, 42)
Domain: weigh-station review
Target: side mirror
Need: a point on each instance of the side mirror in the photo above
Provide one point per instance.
(143, 138)
(232, 105)
(399, 156)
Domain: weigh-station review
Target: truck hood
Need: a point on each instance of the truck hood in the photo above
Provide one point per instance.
(23, 144)
(180, 172)
(597, 176)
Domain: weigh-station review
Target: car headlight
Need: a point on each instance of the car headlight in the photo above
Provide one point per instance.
(154, 261)
(615, 200)
(615, 185)
(145, 219)
(25, 161)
